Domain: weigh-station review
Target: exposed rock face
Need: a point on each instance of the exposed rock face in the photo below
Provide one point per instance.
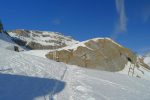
(24, 33)
(103, 54)
(34, 45)
(41, 39)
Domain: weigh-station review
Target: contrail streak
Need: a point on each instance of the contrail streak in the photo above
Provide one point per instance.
(121, 25)
(122, 22)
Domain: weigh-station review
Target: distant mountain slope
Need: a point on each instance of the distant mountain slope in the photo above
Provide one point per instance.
(41, 39)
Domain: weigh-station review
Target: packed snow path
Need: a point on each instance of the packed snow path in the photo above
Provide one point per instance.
(85, 84)
(18, 66)
(27, 77)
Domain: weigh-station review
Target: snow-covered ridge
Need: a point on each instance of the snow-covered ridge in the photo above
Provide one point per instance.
(83, 43)
(43, 38)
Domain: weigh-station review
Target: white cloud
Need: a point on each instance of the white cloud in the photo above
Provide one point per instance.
(146, 13)
(144, 50)
(56, 21)
(122, 22)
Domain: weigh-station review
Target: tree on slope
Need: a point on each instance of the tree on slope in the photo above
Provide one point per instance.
(1, 27)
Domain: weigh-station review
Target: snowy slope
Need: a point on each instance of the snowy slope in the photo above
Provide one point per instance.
(132, 70)
(147, 59)
(39, 53)
(29, 76)
(87, 84)
(26, 77)
(5, 41)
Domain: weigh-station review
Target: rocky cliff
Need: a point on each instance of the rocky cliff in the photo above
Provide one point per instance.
(99, 53)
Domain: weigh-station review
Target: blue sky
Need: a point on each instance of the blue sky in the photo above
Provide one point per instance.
(126, 21)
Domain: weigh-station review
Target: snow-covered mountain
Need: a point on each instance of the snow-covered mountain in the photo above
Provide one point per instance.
(41, 39)
(99, 53)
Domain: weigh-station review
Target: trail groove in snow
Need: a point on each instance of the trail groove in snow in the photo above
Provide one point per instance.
(57, 84)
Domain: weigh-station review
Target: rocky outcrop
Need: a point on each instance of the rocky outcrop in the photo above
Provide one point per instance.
(37, 46)
(99, 53)
(24, 33)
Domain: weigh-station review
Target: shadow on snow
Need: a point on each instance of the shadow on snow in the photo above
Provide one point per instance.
(17, 87)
